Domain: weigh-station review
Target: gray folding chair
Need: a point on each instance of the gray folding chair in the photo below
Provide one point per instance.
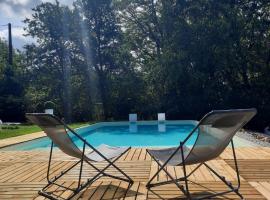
(214, 132)
(59, 132)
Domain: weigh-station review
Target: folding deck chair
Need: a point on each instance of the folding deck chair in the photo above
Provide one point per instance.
(214, 132)
(59, 132)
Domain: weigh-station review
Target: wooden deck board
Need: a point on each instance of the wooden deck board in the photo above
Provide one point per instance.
(253, 170)
(202, 174)
(263, 188)
(23, 174)
(202, 188)
(246, 153)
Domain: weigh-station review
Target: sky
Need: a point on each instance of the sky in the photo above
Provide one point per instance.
(14, 12)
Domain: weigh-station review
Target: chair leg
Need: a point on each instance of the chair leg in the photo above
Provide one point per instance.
(237, 170)
(52, 181)
(184, 178)
(148, 185)
(222, 178)
(162, 167)
(118, 169)
(178, 179)
(111, 163)
(185, 173)
(49, 164)
(89, 181)
(81, 167)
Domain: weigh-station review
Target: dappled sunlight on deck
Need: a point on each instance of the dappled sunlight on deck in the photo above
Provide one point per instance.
(23, 173)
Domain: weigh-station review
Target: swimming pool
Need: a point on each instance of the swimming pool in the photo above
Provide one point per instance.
(140, 134)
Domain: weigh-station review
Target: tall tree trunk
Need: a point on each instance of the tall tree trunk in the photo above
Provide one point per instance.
(103, 93)
(89, 93)
(67, 88)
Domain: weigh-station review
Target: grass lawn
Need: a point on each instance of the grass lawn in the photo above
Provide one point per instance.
(16, 130)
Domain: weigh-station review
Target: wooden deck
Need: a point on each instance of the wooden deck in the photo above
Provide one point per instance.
(22, 174)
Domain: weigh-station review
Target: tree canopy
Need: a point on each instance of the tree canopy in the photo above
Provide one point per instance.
(103, 59)
(12, 105)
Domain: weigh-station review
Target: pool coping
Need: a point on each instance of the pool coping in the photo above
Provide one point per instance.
(20, 139)
(33, 136)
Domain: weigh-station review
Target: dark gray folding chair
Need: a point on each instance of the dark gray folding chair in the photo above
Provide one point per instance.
(214, 132)
(59, 132)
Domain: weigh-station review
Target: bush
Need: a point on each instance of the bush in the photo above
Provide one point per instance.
(10, 127)
(49, 105)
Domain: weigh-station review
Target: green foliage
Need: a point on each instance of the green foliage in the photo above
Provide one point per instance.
(114, 57)
(12, 105)
(49, 105)
(202, 55)
(10, 127)
(3, 56)
(80, 54)
(50, 60)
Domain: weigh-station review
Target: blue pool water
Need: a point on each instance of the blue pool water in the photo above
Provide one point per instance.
(123, 134)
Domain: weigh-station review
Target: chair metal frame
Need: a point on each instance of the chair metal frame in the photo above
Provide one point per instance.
(185, 189)
(186, 176)
(80, 187)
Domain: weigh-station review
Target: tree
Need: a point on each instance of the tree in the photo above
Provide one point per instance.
(102, 41)
(199, 55)
(51, 24)
(184, 58)
(12, 106)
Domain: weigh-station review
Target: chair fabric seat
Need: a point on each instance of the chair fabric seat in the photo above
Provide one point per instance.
(163, 155)
(107, 151)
